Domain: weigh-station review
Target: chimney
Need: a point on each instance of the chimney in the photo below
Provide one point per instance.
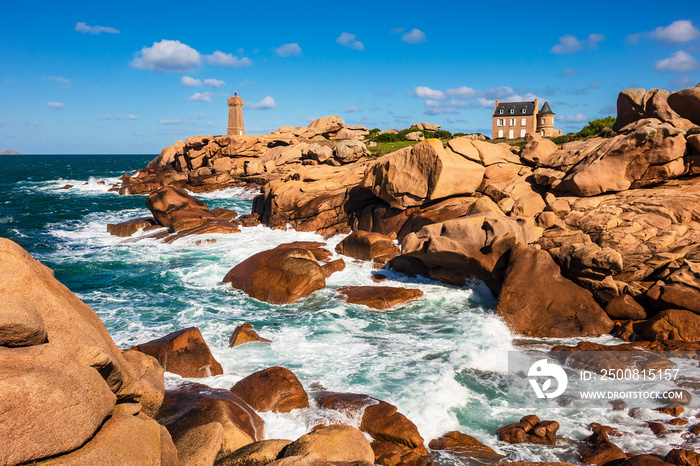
(537, 106)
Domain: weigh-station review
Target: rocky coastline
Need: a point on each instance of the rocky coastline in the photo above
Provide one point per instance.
(579, 240)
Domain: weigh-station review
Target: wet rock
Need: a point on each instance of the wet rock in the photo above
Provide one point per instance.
(673, 324)
(599, 450)
(245, 334)
(673, 409)
(20, 322)
(189, 408)
(475, 246)
(279, 276)
(395, 454)
(462, 444)
(333, 443)
(682, 457)
(380, 419)
(531, 430)
(273, 389)
(643, 460)
(51, 404)
(366, 245)
(163, 202)
(378, 297)
(554, 306)
(214, 227)
(259, 453)
(183, 352)
(128, 228)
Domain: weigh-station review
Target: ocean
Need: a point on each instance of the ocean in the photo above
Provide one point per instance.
(441, 359)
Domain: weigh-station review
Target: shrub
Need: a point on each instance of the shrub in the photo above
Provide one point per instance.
(601, 126)
(456, 135)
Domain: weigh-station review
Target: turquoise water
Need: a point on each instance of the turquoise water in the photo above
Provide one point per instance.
(441, 359)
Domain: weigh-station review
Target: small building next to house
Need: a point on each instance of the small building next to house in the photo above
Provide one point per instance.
(515, 119)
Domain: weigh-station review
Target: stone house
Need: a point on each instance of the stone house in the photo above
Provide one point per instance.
(515, 119)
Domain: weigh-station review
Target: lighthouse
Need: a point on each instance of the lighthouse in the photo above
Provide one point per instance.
(235, 116)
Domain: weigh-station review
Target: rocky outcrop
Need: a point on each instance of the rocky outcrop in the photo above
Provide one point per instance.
(425, 172)
(338, 443)
(273, 389)
(378, 297)
(183, 352)
(553, 305)
(281, 275)
(686, 103)
(366, 245)
(464, 445)
(531, 430)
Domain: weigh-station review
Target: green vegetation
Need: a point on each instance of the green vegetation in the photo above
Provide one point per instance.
(600, 127)
(383, 148)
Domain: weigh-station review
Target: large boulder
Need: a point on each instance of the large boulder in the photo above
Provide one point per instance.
(337, 443)
(163, 202)
(650, 154)
(149, 374)
(259, 453)
(673, 324)
(366, 245)
(245, 333)
(464, 445)
(280, 276)
(630, 107)
(183, 352)
(327, 124)
(474, 246)
(70, 324)
(51, 404)
(350, 151)
(273, 389)
(531, 430)
(536, 148)
(123, 440)
(686, 103)
(378, 297)
(535, 300)
(423, 173)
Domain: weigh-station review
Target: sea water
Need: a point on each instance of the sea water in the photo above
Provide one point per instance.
(441, 359)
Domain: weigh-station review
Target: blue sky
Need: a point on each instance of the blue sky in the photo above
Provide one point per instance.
(132, 77)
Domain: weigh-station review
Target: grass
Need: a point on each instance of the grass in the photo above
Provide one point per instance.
(383, 148)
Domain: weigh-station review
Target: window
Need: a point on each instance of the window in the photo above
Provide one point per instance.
(510, 134)
(523, 122)
(522, 133)
(512, 111)
(542, 120)
(542, 132)
(523, 110)
(500, 133)
(500, 111)
(501, 122)
(512, 122)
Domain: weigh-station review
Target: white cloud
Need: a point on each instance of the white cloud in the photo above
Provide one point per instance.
(288, 50)
(353, 109)
(348, 40)
(569, 72)
(463, 92)
(267, 103)
(570, 44)
(57, 79)
(634, 38)
(167, 55)
(220, 58)
(85, 29)
(189, 81)
(484, 102)
(170, 122)
(201, 97)
(119, 117)
(578, 118)
(678, 32)
(214, 83)
(55, 105)
(679, 62)
(424, 92)
(414, 36)
(501, 93)
(397, 31)
(435, 107)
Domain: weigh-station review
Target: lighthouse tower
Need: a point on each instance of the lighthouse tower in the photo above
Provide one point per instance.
(235, 116)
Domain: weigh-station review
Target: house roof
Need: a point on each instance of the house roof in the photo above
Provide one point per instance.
(519, 108)
(546, 110)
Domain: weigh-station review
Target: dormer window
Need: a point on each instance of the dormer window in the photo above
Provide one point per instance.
(524, 110)
(512, 110)
(500, 111)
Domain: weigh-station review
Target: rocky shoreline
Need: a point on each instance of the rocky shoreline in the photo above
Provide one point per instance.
(580, 240)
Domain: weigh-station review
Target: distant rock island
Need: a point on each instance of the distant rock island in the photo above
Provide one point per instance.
(9, 152)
